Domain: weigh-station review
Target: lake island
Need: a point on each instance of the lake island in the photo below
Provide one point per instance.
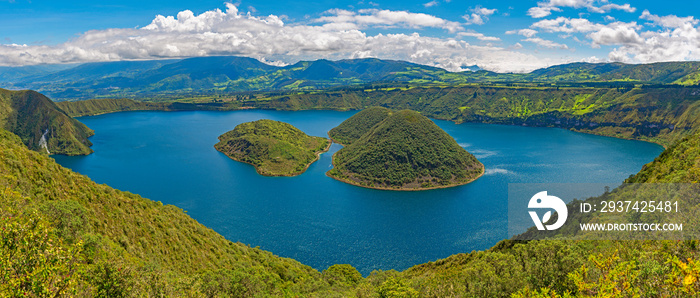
(401, 150)
(275, 148)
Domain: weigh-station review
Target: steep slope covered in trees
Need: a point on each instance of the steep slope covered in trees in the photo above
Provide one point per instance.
(403, 151)
(33, 117)
(355, 127)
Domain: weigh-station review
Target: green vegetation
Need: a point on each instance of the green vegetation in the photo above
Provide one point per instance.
(231, 75)
(103, 106)
(662, 115)
(92, 107)
(274, 148)
(64, 234)
(355, 127)
(403, 151)
(34, 117)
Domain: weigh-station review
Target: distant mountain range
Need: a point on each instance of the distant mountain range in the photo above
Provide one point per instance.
(230, 74)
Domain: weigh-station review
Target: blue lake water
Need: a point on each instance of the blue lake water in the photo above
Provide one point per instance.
(170, 157)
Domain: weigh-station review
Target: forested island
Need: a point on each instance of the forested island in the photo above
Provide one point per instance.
(274, 148)
(401, 150)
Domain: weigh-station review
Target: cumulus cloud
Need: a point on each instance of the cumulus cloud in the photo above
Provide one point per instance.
(479, 36)
(677, 40)
(523, 32)
(546, 43)
(479, 15)
(669, 21)
(567, 25)
(335, 35)
(374, 17)
(615, 33)
(546, 8)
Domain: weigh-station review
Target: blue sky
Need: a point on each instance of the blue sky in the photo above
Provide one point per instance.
(496, 35)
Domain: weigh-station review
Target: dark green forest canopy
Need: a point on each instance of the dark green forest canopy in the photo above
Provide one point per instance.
(355, 127)
(403, 151)
(274, 148)
(31, 115)
(131, 246)
(137, 246)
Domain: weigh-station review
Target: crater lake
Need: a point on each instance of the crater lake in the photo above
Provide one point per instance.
(170, 157)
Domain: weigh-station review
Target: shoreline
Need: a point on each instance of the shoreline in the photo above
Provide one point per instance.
(483, 171)
(665, 146)
(257, 170)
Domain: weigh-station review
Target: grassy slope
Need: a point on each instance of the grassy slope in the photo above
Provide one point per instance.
(274, 148)
(404, 151)
(661, 115)
(138, 234)
(29, 114)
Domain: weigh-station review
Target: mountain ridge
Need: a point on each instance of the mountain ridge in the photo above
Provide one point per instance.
(231, 74)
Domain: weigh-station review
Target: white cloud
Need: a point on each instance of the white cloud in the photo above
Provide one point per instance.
(479, 36)
(523, 32)
(483, 11)
(567, 25)
(337, 36)
(670, 21)
(609, 7)
(546, 8)
(541, 12)
(479, 15)
(615, 35)
(474, 19)
(546, 43)
(677, 40)
(375, 17)
(431, 3)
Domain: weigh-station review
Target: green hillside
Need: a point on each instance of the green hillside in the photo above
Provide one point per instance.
(60, 226)
(109, 105)
(93, 107)
(32, 116)
(403, 151)
(95, 240)
(228, 75)
(64, 233)
(659, 73)
(658, 114)
(274, 148)
(662, 115)
(354, 127)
